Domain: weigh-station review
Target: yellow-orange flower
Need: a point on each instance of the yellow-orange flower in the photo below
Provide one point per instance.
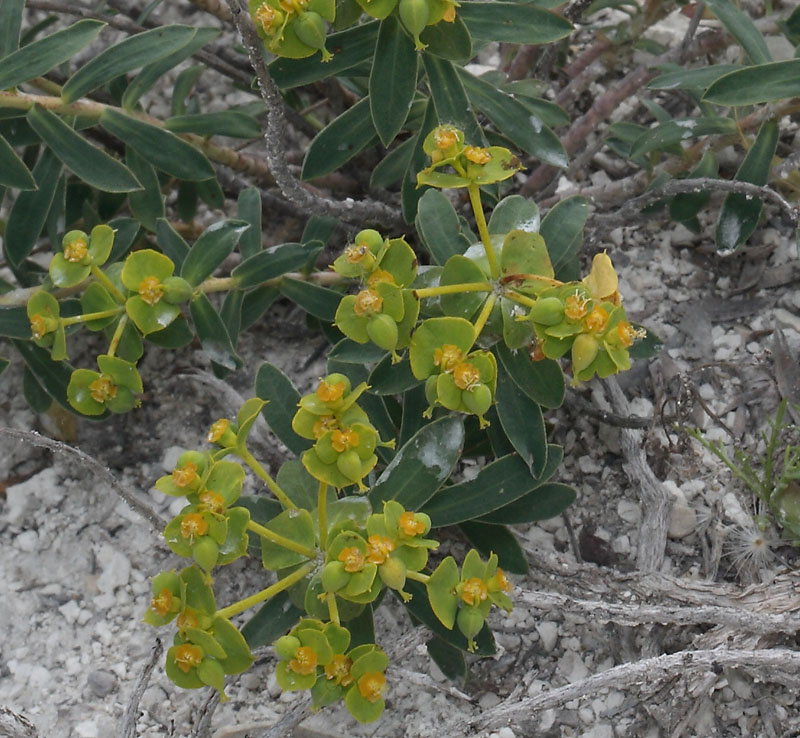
(330, 392)
(500, 581)
(596, 320)
(338, 670)
(575, 306)
(76, 250)
(356, 252)
(193, 525)
(213, 502)
(628, 335)
(372, 686)
(265, 17)
(378, 276)
(474, 591)
(151, 290)
(185, 475)
(323, 425)
(342, 440)
(304, 661)
(187, 619)
(409, 524)
(368, 302)
(103, 389)
(38, 326)
(466, 376)
(448, 357)
(378, 548)
(187, 656)
(445, 137)
(352, 558)
(477, 155)
(162, 602)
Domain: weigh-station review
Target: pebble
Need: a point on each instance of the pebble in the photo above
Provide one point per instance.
(785, 319)
(629, 511)
(589, 465)
(170, 458)
(27, 541)
(87, 729)
(70, 610)
(682, 521)
(548, 633)
(571, 666)
(25, 497)
(488, 700)
(101, 682)
(116, 569)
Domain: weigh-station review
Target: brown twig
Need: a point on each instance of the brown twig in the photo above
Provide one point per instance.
(126, 728)
(366, 211)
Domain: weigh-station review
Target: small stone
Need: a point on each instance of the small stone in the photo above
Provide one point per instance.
(23, 498)
(87, 729)
(785, 319)
(621, 545)
(506, 732)
(586, 714)
(170, 458)
(70, 611)
(116, 572)
(101, 682)
(682, 521)
(629, 511)
(27, 541)
(588, 465)
(489, 700)
(548, 633)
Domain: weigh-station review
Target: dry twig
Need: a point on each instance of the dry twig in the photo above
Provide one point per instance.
(126, 728)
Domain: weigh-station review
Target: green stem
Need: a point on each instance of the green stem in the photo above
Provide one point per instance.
(417, 576)
(261, 472)
(322, 512)
(484, 314)
(333, 609)
(280, 540)
(264, 594)
(98, 274)
(115, 339)
(450, 289)
(91, 316)
(483, 230)
(521, 299)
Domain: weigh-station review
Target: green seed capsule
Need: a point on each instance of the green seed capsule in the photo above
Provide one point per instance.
(548, 311)
(382, 331)
(206, 552)
(176, 290)
(334, 576)
(430, 390)
(478, 399)
(447, 393)
(470, 621)
(286, 647)
(393, 573)
(370, 238)
(414, 14)
(310, 29)
(584, 352)
(349, 465)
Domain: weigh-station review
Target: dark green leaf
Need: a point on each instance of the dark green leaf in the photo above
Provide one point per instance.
(171, 243)
(10, 24)
(545, 502)
(391, 168)
(41, 56)
(514, 213)
(274, 386)
(176, 335)
(13, 172)
(320, 302)
(212, 333)
(249, 210)
(340, 141)
(514, 120)
(274, 619)
(562, 230)
(132, 53)
(421, 466)
(231, 313)
(758, 84)
(392, 80)
(497, 539)
(125, 232)
(319, 228)
(691, 79)
(211, 249)
(147, 206)
(255, 304)
(523, 423)
(438, 224)
(389, 378)
(673, 132)
(647, 347)
(153, 72)
(450, 98)
(686, 206)
(14, 323)
(449, 659)
(88, 162)
(414, 404)
(411, 194)
(35, 395)
(542, 381)
(184, 84)
(516, 23)
(349, 48)
(357, 353)
(739, 25)
(273, 262)
(164, 150)
(54, 376)
(30, 209)
(4, 364)
(448, 40)
(739, 215)
(223, 123)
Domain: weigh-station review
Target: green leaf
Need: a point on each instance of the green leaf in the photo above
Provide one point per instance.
(513, 120)
(88, 162)
(53, 376)
(231, 123)
(562, 230)
(273, 620)
(164, 150)
(758, 84)
(350, 48)
(448, 40)
(393, 79)
(508, 478)
(249, 210)
(171, 242)
(320, 302)
(691, 79)
(685, 206)
(357, 353)
(14, 323)
(523, 423)
(273, 262)
(30, 209)
(35, 394)
(516, 23)
(132, 53)
(13, 172)
(340, 141)
(439, 226)
(10, 24)
(739, 25)
(675, 131)
(497, 539)
(297, 526)
(176, 335)
(514, 213)
(41, 56)
(211, 249)
(146, 206)
(449, 659)
(212, 333)
(542, 381)
(390, 378)
(274, 386)
(739, 215)
(450, 98)
(410, 192)
(421, 466)
(153, 72)
(544, 502)
(391, 168)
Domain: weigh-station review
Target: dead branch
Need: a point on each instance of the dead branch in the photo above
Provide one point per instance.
(134, 503)
(126, 728)
(13, 725)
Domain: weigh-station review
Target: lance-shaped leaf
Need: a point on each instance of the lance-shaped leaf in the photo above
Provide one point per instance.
(147, 206)
(132, 53)
(523, 423)
(164, 150)
(10, 25)
(171, 242)
(13, 172)
(757, 84)
(88, 162)
(450, 98)
(272, 621)
(274, 262)
(211, 249)
(675, 131)
(39, 57)
(274, 386)
(233, 123)
(742, 28)
(320, 302)
(516, 23)
(53, 376)
(544, 502)
(562, 230)
(542, 381)
(438, 224)
(691, 79)
(212, 333)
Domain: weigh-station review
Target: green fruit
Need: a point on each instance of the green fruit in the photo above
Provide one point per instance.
(470, 621)
(548, 311)
(414, 14)
(447, 392)
(334, 577)
(349, 464)
(478, 399)
(370, 238)
(286, 647)
(584, 352)
(382, 331)
(211, 673)
(206, 552)
(176, 289)
(430, 389)
(310, 29)
(393, 573)
(326, 453)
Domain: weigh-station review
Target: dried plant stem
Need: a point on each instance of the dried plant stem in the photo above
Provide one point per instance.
(202, 725)
(366, 211)
(135, 504)
(126, 728)
(215, 7)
